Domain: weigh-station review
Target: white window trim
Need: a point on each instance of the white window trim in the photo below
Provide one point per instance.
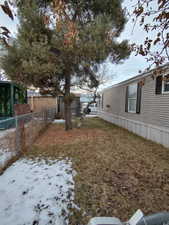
(131, 111)
(164, 92)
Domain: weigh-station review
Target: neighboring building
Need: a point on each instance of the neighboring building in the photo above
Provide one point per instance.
(140, 104)
(11, 94)
(13, 101)
(39, 102)
(75, 106)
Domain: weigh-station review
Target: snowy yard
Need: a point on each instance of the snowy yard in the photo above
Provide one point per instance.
(117, 172)
(36, 192)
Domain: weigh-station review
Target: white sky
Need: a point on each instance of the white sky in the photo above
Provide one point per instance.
(129, 68)
(134, 64)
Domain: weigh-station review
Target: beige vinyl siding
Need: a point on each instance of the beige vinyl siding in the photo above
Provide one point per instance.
(154, 108)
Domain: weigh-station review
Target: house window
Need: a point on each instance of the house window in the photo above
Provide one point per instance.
(132, 97)
(165, 85)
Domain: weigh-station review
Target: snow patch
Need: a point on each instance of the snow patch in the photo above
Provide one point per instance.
(91, 115)
(58, 121)
(4, 133)
(36, 192)
(5, 155)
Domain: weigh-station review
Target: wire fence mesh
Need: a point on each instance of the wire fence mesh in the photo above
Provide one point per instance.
(18, 133)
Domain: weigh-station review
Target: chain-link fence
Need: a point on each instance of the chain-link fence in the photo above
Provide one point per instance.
(19, 133)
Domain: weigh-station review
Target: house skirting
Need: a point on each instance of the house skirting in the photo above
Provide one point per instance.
(148, 131)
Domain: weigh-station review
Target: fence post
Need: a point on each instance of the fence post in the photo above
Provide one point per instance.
(18, 136)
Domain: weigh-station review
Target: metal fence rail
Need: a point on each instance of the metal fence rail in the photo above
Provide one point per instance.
(19, 133)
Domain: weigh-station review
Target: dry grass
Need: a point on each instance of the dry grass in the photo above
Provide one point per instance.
(117, 171)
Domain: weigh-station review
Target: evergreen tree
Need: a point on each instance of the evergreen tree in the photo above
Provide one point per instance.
(60, 43)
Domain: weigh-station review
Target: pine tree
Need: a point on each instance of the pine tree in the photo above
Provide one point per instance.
(60, 43)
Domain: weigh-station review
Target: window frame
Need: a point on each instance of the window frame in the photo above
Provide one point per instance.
(163, 82)
(131, 98)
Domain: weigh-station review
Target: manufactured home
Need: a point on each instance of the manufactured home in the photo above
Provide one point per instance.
(140, 104)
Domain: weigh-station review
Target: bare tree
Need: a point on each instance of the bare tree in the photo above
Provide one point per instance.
(4, 31)
(103, 79)
(153, 17)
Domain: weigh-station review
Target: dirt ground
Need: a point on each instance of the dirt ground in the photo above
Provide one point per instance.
(117, 171)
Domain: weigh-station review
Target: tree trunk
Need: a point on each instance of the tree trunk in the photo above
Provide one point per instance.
(67, 104)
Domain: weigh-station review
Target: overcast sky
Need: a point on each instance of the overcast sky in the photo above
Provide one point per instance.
(129, 68)
(134, 64)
